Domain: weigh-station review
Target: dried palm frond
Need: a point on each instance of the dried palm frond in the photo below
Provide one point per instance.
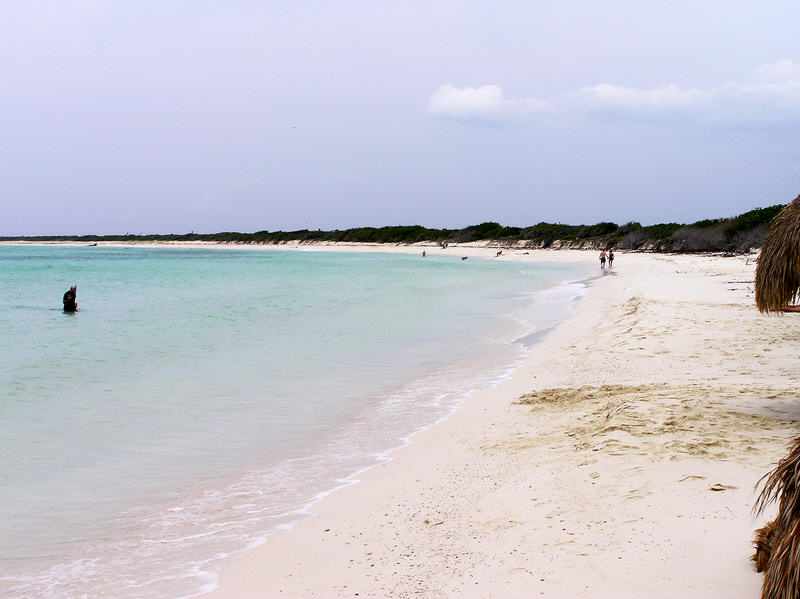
(765, 537)
(778, 271)
(782, 554)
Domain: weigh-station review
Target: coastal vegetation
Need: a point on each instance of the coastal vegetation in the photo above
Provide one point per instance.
(735, 234)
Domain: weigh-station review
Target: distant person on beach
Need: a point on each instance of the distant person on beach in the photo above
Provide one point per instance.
(500, 253)
(423, 253)
(70, 305)
(603, 259)
(610, 258)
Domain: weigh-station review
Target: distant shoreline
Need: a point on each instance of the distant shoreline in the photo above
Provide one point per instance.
(472, 250)
(486, 246)
(738, 234)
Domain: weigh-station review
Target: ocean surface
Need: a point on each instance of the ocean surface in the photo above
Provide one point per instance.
(202, 399)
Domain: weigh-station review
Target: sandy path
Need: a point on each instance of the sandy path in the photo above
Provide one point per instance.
(618, 461)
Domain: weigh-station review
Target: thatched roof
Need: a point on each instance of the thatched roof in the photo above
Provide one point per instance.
(779, 551)
(778, 270)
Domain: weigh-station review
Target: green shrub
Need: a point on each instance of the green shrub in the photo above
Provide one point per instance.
(752, 219)
(734, 234)
(661, 231)
(708, 223)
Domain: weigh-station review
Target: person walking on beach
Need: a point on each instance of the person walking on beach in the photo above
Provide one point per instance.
(610, 258)
(70, 305)
(603, 259)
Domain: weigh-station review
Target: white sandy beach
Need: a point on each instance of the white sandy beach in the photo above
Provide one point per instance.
(618, 461)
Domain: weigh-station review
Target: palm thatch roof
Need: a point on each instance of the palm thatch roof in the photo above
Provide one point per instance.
(778, 543)
(778, 270)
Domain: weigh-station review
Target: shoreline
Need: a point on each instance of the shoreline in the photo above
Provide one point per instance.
(485, 249)
(462, 383)
(635, 478)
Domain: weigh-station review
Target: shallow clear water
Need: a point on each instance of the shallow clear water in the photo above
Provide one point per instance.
(201, 399)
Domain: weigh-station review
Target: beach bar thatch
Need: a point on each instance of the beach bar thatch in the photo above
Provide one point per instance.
(778, 270)
(778, 543)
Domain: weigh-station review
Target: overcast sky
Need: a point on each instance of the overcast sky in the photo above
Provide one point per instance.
(148, 117)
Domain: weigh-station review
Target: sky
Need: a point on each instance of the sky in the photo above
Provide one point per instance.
(170, 117)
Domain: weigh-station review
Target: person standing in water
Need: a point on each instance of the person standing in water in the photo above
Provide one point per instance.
(603, 259)
(70, 305)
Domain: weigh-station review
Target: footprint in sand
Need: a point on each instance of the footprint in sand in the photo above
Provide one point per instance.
(691, 477)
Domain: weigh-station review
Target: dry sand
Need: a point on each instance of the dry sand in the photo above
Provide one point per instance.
(618, 461)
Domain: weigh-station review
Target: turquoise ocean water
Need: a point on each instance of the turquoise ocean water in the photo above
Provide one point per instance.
(201, 399)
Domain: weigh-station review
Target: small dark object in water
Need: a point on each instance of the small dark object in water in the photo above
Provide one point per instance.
(464, 257)
(70, 305)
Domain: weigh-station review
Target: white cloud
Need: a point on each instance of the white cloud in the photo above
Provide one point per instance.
(483, 104)
(783, 70)
(770, 94)
(669, 97)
